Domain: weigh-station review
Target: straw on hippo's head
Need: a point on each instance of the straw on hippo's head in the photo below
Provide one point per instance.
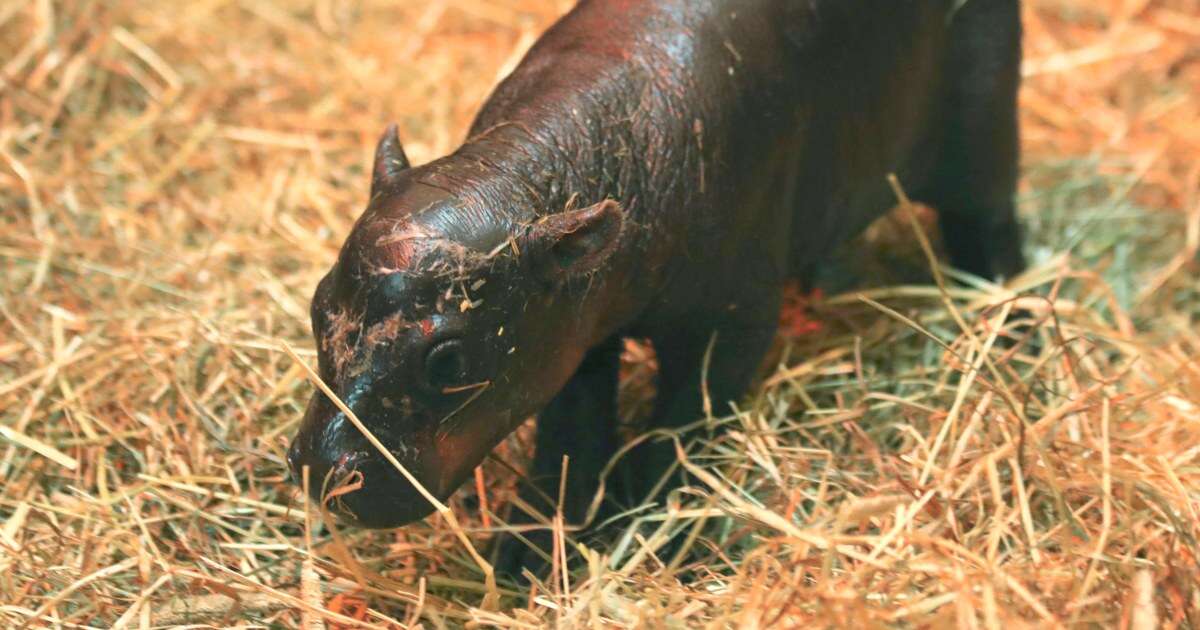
(442, 325)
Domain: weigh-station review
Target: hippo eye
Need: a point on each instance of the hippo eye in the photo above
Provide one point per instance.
(445, 365)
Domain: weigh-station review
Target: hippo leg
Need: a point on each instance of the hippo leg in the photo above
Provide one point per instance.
(739, 337)
(975, 177)
(579, 424)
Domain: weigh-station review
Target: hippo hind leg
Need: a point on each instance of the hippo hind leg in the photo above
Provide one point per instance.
(975, 176)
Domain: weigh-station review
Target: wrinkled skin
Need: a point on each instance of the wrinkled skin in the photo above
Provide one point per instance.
(652, 169)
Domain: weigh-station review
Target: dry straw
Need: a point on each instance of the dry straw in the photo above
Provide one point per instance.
(174, 178)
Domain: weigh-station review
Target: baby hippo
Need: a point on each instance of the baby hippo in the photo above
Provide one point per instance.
(653, 169)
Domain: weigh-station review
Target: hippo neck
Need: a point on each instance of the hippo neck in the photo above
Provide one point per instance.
(562, 132)
(545, 176)
(509, 176)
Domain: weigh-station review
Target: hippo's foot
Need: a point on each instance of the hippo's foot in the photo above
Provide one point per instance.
(517, 560)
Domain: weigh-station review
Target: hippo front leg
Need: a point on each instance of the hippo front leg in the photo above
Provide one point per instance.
(739, 337)
(580, 425)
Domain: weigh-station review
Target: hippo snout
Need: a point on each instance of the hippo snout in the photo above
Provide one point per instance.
(336, 453)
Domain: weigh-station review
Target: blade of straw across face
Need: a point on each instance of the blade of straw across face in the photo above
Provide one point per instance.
(492, 598)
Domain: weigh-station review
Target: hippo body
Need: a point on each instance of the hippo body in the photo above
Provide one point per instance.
(654, 169)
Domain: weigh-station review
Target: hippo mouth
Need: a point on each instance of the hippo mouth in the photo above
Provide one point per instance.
(349, 477)
(365, 490)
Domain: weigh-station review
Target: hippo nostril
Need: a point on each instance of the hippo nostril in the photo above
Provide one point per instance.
(348, 462)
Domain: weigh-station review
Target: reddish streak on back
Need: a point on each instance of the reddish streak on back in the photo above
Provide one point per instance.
(427, 327)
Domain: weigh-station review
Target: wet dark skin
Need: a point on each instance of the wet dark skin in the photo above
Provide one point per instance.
(654, 169)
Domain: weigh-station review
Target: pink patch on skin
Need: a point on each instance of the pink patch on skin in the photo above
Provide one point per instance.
(387, 330)
(796, 316)
(427, 327)
(399, 247)
(337, 341)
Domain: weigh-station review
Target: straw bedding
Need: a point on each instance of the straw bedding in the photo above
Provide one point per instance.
(175, 177)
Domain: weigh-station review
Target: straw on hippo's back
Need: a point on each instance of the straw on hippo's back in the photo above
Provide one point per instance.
(653, 169)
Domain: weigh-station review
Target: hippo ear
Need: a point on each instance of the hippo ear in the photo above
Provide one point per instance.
(576, 241)
(390, 160)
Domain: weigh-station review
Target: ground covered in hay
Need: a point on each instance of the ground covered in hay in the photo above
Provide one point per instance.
(175, 177)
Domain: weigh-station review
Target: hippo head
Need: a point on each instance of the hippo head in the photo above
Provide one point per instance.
(443, 324)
